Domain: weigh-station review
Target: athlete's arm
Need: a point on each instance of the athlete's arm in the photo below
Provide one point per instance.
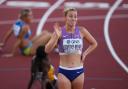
(18, 42)
(54, 39)
(20, 38)
(52, 43)
(6, 37)
(90, 39)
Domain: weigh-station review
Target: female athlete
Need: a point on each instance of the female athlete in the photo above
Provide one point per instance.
(22, 32)
(69, 39)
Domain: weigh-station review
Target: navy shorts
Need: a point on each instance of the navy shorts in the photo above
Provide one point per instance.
(71, 73)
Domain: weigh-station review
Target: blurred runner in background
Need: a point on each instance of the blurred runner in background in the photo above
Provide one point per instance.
(24, 40)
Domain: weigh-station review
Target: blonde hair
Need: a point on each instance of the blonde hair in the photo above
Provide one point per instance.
(66, 10)
(24, 12)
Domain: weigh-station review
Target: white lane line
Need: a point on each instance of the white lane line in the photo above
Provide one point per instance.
(84, 5)
(2, 1)
(125, 5)
(28, 4)
(46, 15)
(87, 78)
(81, 18)
(46, 4)
(61, 7)
(107, 37)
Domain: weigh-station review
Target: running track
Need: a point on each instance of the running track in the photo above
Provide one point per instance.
(102, 71)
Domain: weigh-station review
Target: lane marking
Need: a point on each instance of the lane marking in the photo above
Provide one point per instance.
(2, 1)
(87, 78)
(105, 78)
(125, 5)
(13, 69)
(107, 37)
(77, 4)
(28, 4)
(46, 15)
(61, 7)
(81, 18)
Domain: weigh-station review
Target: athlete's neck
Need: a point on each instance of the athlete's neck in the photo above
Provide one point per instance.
(70, 29)
(24, 20)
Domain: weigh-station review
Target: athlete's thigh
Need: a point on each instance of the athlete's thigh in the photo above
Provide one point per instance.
(63, 82)
(78, 83)
(44, 34)
(42, 40)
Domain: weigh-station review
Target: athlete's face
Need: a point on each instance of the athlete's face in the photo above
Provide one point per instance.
(71, 18)
(29, 17)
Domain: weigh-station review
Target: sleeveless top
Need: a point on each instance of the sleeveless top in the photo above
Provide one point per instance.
(70, 43)
(17, 27)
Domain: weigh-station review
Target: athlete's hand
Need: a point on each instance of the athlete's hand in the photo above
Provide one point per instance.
(8, 55)
(57, 29)
(1, 44)
(83, 56)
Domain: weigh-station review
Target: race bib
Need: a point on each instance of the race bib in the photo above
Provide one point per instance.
(72, 45)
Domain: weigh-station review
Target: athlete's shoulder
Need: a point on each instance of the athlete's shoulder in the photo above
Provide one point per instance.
(82, 28)
(19, 23)
(83, 31)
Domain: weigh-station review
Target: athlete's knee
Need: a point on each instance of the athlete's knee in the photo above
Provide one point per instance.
(46, 32)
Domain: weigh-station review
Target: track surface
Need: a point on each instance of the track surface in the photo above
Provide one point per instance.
(102, 71)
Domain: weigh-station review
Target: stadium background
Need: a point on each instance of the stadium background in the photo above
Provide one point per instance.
(102, 71)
